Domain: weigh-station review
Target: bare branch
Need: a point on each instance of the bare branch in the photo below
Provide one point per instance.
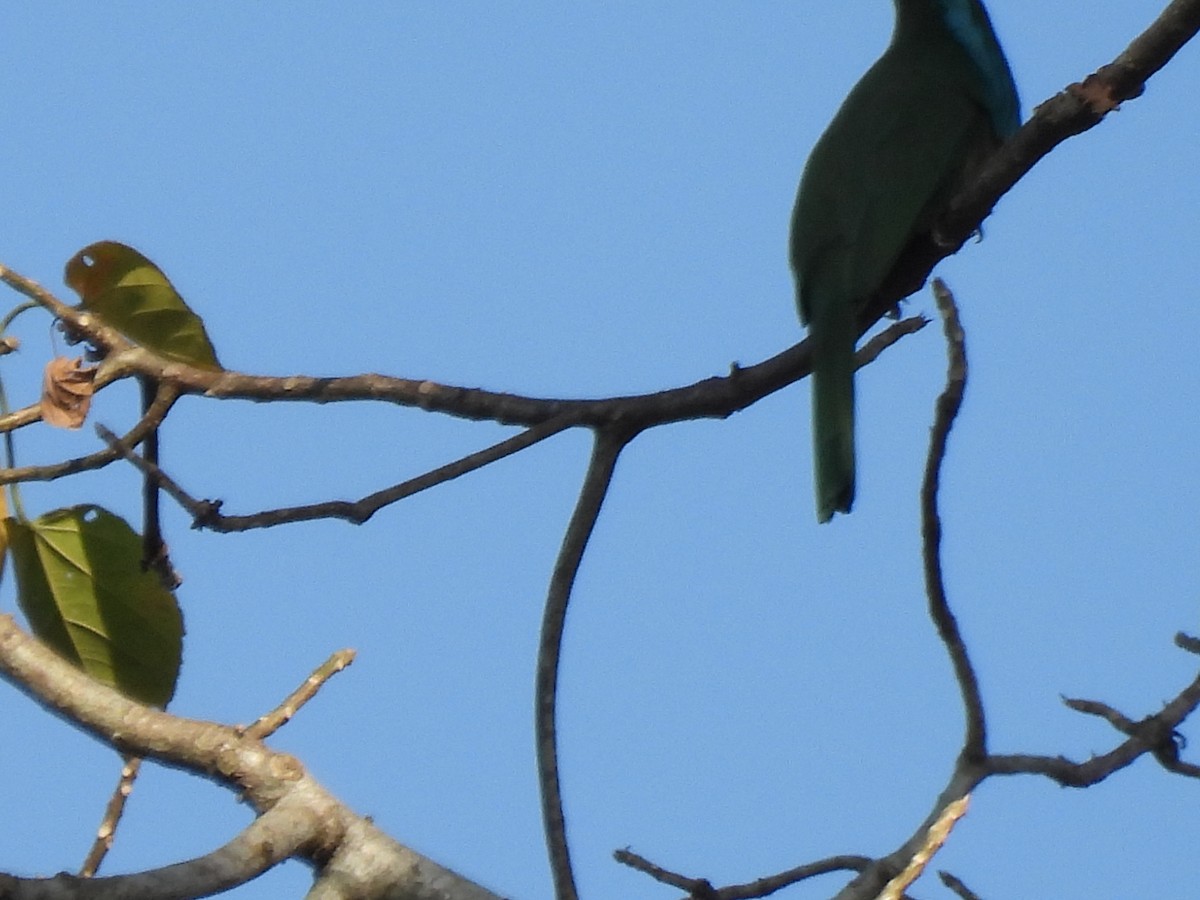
(130, 766)
(269, 840)
(956, 884)
(709, 398)
(765, 886)
(695, 887)
(270, 723)
(308, 823)
(1154, 734)
(702, 889)
(945, 412)
(207, 513)
(912, 855)
(1187, 642)
(608, 446)
(164, 400)
(19, 418)
(870, 351)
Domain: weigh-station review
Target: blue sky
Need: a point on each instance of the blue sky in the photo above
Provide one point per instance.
(590, 199)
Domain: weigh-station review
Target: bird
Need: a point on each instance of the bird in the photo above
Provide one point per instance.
(911, 132)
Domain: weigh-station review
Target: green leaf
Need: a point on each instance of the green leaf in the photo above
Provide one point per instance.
(81, 585)
(132, 295)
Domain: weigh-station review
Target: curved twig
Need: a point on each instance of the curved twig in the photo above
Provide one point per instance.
(608, 446)
(945, 412)
(163, 401)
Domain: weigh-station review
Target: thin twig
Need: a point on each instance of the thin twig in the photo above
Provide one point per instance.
(268, 724)
(130, 767)
(279, 833)
(701, 888)
(969, 770)
(608, 446)
(207, 513)
(155, 557)
(695, 887)
(956, 884)
(1156, 735)
(945, 411)
(19, 418)
(117, 448)
(762, 887)
(870, 350)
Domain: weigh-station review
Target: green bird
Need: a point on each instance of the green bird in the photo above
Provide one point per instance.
(939, 100)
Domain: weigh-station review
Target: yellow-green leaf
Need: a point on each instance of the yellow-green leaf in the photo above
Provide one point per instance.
(132, 295)
(81, 585)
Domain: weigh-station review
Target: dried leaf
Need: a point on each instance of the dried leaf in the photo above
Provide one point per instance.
(67, 388)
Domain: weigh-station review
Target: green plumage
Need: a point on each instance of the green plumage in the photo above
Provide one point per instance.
(905, 138)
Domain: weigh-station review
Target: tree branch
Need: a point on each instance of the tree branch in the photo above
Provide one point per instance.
(207, 513)
(113, 810)
(267, 841)
(709, 398)
(1154, 734)
(945, 412)
(353, 858)
(267, 725)
(164, 400)
(608, 446)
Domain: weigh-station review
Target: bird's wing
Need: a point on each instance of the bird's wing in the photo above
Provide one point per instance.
(878, 175)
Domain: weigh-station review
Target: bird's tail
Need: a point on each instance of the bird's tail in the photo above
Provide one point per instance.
(833, 426)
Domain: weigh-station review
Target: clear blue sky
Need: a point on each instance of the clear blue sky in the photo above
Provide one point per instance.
(589, 199)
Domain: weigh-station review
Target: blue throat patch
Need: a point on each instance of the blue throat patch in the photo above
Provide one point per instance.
(968, 21)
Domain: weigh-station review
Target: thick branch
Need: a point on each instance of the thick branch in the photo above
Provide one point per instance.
(267, 841)
(313, 825)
